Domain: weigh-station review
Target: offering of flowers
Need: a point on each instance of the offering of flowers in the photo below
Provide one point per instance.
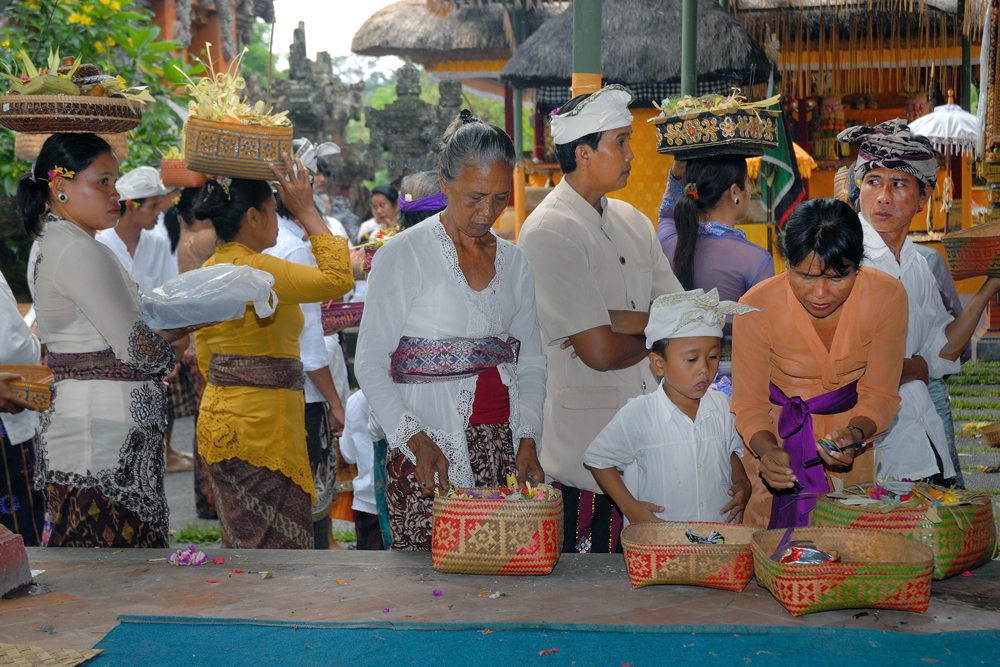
(362, 254)
(217, 98)
(174, 153)
(512, 492)
(687, 105)
(887, 495)
(67, 76)
(187, 556)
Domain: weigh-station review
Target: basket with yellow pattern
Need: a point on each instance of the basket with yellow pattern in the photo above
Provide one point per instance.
(234, 149)
(876, 569)
(660, 553)
(962, 537)
(747, 131)
(497, 536)
(35, 385)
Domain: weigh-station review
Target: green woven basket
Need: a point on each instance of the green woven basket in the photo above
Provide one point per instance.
(878, 569)
(964, 539)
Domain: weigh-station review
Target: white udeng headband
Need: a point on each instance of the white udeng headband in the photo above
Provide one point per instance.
(607, 109)
(690, 314)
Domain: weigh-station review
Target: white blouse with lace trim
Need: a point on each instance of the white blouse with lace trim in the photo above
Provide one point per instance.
(417, 289)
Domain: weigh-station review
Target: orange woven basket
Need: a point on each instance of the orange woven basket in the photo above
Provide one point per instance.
(660, 553)
(233, 150)
(34, 387)
(483, 536)
(974, 251)
(877, 569)
(175, 174)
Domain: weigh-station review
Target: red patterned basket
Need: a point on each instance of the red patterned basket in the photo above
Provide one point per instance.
(974, 251)
(175, 174)
(877, 569)
(483, 536)
(964, 539)
(660, 553)
(339, 316)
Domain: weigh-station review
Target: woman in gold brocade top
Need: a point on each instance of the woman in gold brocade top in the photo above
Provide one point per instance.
(251, 427)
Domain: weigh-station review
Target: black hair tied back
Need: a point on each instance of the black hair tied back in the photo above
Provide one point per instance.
(466, 116)
(225, 206)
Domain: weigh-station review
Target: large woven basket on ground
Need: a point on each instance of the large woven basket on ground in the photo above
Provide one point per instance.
(69, 113)
(974, 251)
(711, 133)
(660, 553)
(965, 538)
(175, 174)
(27, 145)
(877, 569)
(339, 316)
(234, 150)
(35, 385)
(481, 536)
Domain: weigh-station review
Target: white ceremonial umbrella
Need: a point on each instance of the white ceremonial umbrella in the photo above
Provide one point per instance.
(952, 130)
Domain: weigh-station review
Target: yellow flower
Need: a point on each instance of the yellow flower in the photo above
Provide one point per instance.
(86, 20)
(121, 82)
(99, 47)
(111, 42)
(88, 8)
(74, 18)
(5, 43)
(105, 2)
(116, 6)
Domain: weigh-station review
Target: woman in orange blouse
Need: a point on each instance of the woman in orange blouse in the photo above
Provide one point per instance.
(822, 358)
(251, 426)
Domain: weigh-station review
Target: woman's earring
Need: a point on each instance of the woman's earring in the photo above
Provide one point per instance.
(736, 202)
(62, 197)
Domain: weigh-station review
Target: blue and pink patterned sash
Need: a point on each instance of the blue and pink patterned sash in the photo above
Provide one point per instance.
(422, 360)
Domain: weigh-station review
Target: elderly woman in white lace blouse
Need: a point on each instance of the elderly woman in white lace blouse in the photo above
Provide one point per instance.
(449, 354)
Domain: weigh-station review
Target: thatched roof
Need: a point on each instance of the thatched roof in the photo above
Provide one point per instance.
(408, 28)
(641, 41)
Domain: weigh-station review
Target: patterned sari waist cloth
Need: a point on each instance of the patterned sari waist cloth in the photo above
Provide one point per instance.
(262, 372)
(423, 360)
(102, 365)
(792, 508)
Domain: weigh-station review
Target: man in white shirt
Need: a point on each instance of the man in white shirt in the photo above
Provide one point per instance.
(898, 171)
(145, 255)
(22, 508)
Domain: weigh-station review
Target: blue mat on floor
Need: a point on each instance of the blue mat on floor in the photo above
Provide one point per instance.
(150, 641)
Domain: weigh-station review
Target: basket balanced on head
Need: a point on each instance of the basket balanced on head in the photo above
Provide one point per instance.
(490, 534)
(174, 171)
(225, 136)
(697, 127)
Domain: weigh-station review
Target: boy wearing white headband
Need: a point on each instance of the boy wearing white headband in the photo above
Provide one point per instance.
(597, 267)
(683, 438)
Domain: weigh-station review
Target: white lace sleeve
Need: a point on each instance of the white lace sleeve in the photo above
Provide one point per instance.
(531, 372)
(393, 281)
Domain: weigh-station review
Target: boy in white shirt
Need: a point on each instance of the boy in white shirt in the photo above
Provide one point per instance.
(683, 438)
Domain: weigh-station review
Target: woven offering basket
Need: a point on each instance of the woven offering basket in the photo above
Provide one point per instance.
(963, 540)
(339, 316)
(234, 150)
(660, 553)
(710, 133)
(877, 569)
(992, 434)
(27, 145)
(482, 536)
(34, 387)
(175, 174)
(69, 113)
(974, 251)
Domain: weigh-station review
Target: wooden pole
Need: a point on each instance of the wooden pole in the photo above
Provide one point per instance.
(689, 48)
(586, 47)
(270, 62)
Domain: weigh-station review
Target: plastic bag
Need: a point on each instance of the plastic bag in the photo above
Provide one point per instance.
(211, 294)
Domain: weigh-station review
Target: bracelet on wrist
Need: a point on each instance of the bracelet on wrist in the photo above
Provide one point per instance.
(859, 430)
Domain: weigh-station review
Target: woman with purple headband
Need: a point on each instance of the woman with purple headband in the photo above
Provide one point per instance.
(449, 289)
(420, 197)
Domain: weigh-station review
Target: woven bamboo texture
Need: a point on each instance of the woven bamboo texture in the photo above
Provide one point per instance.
(974, 251)
(992, 434)
(481, 536)
(22, 655)
(964, 539)
(34, 388)
(339, 316)
(660, 553)
(68, 113)
(877, 569)
(236, 151)
(711, 133)
(27, 145)
(175, 174)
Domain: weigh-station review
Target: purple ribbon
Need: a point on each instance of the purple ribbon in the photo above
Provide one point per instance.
(792, 508)
(434, 202)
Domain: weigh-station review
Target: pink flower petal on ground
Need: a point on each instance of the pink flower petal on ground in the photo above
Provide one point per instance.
(966, 574)
(385, 610)
(437, 593)
(211, 581)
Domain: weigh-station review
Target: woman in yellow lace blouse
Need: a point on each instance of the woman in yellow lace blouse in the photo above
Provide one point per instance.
(251, 427)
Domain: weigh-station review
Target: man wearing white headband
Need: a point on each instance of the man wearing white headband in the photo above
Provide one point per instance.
(145, 255)
(597, 267)
(682, 439)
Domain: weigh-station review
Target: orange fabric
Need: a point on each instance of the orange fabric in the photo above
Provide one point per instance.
(779, 344)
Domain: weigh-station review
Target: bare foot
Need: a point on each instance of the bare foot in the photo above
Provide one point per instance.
(178, 461)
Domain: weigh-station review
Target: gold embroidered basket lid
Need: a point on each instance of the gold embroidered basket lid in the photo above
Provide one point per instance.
(711, 126)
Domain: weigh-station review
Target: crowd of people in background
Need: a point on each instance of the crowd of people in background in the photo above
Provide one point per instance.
(649, 372)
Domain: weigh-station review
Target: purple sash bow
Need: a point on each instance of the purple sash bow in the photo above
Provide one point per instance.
(792, 508)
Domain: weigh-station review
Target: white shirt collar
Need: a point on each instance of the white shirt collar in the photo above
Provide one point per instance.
(879, 255)
(705, 405)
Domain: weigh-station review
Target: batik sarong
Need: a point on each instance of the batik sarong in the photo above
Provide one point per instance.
(421, 360)
(85, 517)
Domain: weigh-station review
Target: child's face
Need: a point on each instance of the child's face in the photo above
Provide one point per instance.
(688, 365)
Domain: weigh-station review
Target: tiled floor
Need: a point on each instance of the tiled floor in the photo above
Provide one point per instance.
(89, 588)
